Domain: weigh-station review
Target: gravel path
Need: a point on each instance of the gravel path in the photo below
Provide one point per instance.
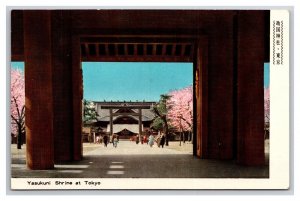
(129, 160)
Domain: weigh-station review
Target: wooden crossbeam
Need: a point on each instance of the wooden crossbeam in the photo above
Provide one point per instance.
(154, 49)
(173, 49)
(125, 49)
(125, 114)
(135, 49)
(164, 48)
(139, 58)
(106, 49)
(116, 49)
(183, 46)
(142, 54)
(87, 50)
(121, 107)
(97, 49)
(145, 49)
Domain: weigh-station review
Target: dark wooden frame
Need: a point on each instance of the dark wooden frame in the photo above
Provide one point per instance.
(233, 117)
(199, 59)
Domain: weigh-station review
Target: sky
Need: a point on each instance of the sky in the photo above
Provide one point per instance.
(135, 80)
(266, 75)
(18, 65)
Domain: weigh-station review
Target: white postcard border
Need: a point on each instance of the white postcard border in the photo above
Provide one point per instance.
(279, 144)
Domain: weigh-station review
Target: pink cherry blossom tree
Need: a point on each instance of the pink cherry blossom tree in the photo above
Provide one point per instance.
(180, 113)
(267, 104)
(267, 110)
(17, 105)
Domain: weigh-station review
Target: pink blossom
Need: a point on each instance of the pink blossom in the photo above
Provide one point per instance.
(17, 100)
(180, 112)
(267, 104)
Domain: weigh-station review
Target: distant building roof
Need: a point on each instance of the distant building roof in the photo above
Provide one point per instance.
(147, 114)
(134, 128)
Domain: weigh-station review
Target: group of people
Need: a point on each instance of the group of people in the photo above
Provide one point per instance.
(160, 140)
(105, 139)
(144, 139)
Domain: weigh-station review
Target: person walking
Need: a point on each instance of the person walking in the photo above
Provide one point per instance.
(105, 140)
(151, 140)
(115, 142)
(137, 140)
(162, 141)
(158, 139)
(145, 139)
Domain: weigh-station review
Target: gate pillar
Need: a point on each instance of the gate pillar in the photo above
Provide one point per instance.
(38, 90)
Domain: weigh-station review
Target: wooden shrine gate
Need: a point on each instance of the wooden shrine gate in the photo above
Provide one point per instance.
(226, 50)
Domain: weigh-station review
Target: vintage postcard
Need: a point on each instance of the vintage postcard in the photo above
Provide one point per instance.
(149, 99)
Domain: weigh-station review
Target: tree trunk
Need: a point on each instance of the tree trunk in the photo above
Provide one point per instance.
(166, 128)
(166, 131)
(19, 138)
(180, 138)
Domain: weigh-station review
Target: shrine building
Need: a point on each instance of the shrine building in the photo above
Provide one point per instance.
(128, 118)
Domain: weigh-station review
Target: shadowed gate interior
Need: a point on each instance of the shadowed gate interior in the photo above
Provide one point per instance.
(227, 54)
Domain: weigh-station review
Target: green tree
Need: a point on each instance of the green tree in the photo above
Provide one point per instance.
(161, 122)
(158, 124)
(89, 117)
(89, 112)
